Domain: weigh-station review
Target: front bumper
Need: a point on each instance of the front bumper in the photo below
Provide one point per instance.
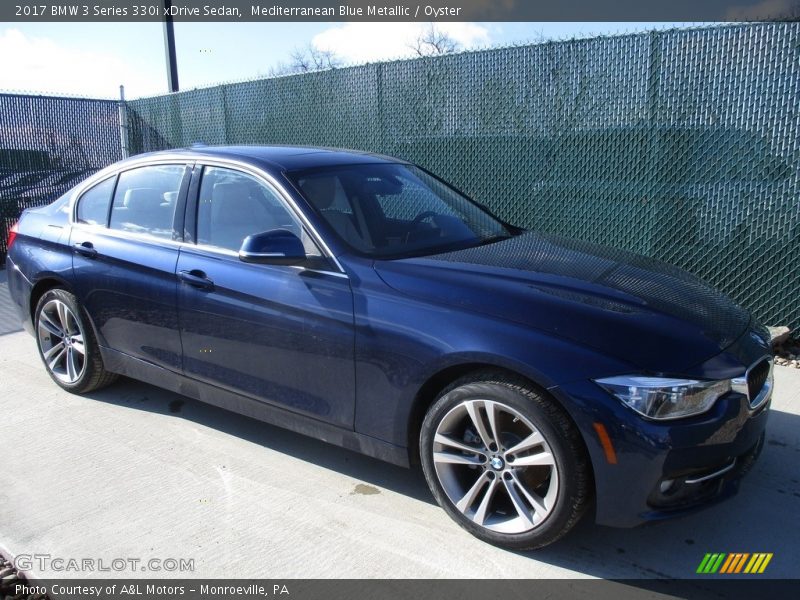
(665, 469)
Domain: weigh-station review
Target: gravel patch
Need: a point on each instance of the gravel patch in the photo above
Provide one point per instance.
(8, 577)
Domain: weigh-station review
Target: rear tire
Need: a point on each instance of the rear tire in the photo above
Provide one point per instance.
(505, 461)
(67, 344)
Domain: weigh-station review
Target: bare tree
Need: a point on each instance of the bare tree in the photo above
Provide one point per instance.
(306, 60)
(432, 41)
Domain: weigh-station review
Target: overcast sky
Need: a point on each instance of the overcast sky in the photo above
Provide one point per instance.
(92, 60)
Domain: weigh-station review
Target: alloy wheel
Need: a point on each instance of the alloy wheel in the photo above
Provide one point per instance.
(61, 341)
(495, 466)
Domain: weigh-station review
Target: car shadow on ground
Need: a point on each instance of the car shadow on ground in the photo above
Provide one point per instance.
(141, 396)
(9, 318)
(761, 518)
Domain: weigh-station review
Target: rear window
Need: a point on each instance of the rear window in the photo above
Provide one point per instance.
(93, 204)
(145, 200)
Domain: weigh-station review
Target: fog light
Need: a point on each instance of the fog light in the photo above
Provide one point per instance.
(665, 485)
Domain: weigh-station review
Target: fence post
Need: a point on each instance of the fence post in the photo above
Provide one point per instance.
(381, 120)
(123, 122)
(653, 234)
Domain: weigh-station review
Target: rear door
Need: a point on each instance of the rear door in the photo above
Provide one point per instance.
(125, 244)
(279, 334)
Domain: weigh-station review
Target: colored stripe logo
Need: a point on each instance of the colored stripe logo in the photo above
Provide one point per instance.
(734, 562)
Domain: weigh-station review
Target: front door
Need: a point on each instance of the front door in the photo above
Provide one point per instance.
(283, 335)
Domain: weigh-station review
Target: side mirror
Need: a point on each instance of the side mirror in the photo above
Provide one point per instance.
(273, 247)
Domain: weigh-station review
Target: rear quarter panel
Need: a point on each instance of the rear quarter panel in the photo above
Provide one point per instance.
(40, 252)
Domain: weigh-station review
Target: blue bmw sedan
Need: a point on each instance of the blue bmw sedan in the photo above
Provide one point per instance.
(361, 300)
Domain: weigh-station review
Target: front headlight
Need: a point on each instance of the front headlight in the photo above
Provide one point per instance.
(662, 398)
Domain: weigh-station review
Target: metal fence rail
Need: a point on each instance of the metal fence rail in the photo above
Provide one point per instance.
(683, 145)
(47, 145)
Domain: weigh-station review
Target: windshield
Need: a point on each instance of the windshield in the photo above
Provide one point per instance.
(392, 210)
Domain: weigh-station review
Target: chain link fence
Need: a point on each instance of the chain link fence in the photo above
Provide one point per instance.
(47, 145)
(683, 145)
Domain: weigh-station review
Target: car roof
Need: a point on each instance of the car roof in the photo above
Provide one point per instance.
(282, 158)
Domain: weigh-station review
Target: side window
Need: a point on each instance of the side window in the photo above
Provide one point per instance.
(93, 204)
(233, 205)
(326, 193)
(145, 200)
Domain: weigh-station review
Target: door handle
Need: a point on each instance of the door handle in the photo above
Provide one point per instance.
(196, 278)
(85, 249)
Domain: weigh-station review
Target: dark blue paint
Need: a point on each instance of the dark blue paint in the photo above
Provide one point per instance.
(277, 242)
(619, 303)
(130, 291)
(345, 358)
(275, 333)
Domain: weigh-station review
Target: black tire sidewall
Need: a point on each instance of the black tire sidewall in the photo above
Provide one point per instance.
(558, 431)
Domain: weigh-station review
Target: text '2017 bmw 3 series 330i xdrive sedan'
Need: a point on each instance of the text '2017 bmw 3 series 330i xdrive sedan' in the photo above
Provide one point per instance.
(361, 300)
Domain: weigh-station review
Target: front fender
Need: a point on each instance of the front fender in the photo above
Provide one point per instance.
(402, 343)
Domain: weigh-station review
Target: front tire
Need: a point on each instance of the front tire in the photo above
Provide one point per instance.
(505, 461)
(67, 345)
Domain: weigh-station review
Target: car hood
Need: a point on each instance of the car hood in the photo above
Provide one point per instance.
(650, 314)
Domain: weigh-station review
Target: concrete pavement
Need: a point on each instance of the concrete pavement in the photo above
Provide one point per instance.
(9, 321)
(136, 472)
